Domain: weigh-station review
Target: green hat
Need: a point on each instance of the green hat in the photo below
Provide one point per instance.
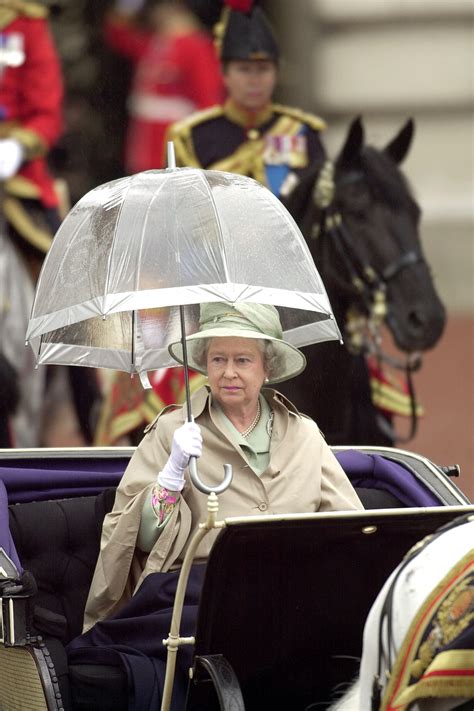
(243, 320)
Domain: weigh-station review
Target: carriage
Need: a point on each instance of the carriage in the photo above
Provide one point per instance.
(283, 601)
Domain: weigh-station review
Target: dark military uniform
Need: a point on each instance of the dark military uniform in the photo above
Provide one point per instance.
(268, 145)
(275, 145)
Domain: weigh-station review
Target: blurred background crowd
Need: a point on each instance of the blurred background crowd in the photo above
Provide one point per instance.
(383, 59)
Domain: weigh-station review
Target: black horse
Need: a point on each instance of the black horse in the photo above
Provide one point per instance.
(365, 241)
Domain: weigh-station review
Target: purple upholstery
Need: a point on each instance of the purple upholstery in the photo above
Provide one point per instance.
(42, 479)
(372, 471)
(6, 540)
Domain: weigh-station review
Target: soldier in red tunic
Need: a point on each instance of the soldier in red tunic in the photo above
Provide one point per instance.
(31, 95)
(176, 73)
(30, 122)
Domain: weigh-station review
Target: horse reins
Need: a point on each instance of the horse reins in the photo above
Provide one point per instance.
(369, 285)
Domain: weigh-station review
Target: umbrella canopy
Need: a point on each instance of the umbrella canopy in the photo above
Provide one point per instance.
(133, 251)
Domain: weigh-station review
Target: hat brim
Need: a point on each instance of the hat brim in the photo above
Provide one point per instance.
(292, 360)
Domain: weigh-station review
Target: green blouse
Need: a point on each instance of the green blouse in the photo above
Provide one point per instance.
(256, 447)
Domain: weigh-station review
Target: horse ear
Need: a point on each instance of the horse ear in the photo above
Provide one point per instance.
(399, 146)
(353, 144)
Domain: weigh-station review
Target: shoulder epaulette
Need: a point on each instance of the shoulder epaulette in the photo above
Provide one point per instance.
(188, 123)
(180, 133)
(35, 10)
(310, 119)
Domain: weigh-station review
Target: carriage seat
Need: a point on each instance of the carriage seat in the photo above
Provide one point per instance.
(58, 542)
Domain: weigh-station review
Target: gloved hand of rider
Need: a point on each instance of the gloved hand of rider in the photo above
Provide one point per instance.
(11, 157)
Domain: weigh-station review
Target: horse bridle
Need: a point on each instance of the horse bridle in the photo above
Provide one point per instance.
(361, 272)
(370, 286)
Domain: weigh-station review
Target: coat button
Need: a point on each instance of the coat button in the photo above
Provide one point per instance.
(253, 134)
(263, 506)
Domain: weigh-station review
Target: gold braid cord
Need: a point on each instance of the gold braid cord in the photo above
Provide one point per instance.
(220, 28)
(436, 658)
(248, 158)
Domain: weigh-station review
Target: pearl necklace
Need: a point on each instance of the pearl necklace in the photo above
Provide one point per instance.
(252, 426)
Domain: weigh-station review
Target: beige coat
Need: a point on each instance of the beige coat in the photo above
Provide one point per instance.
(303, 477)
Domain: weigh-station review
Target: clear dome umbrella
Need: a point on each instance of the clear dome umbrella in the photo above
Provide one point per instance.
(135, 257)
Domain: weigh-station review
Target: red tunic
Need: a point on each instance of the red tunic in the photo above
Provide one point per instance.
(127, 406)
(31, 99)
(175, 75)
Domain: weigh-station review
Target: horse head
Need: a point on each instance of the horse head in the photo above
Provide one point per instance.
(381, 235)
(364, 237)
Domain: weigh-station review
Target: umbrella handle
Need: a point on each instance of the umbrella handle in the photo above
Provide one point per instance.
(203, 487)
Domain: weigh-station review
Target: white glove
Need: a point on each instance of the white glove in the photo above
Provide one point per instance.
(11, 157)
(187, 442)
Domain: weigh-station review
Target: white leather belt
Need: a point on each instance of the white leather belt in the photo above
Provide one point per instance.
(159, 108)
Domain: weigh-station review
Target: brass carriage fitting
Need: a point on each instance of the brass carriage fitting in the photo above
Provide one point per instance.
(173, 643)
(369, 529)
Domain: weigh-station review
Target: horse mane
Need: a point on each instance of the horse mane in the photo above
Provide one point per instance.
(387, 181)
(381, 173)
(349, 699)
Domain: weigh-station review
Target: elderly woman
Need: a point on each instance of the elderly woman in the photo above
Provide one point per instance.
(280, 461)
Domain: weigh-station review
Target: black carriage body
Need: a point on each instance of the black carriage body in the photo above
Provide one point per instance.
(284, 598)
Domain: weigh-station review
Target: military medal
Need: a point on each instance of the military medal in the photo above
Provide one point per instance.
(286, 150)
